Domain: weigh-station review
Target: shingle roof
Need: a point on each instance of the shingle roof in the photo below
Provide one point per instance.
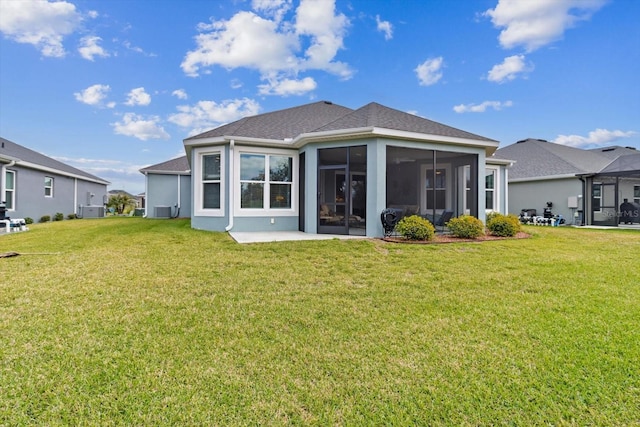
(537, 158)
(16, 151)
(629, 165)
(325, 116)
(179, 164)
(376, 115)
(281, 124)
(615, 151)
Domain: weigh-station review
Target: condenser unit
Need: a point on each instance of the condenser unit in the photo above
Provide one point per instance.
(162, 211)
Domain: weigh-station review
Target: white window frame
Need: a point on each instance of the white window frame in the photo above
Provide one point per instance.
(495, 189)
(594, 197)
(11, 191)
(198, 156)
(266, 210)
(48, 187)
(636, 191)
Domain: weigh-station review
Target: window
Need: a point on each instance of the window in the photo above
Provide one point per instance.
(266, 181)
(10, 190)
(490, 188)
(596, 196)
(209, 181)
(440, 188)
(636, 194)
(48, 186)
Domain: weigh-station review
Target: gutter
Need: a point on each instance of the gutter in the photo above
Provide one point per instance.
(232, 144)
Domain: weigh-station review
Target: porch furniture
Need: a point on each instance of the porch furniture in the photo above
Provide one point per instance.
(440, 220)
(389, 218)
(629, 212)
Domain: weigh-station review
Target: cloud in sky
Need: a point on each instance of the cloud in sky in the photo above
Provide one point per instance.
(385, 27)
(39, 23)
(140, 127)
(595, 138)
(89, 48)
(180, 94)
(286, 87)
(511, 67)
(205, 115)
(481, 108)
(429, 72)
(272, 46)
(138, 96)
(534, 24)
(94, 95)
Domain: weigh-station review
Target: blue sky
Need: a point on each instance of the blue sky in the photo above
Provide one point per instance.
(114, 86)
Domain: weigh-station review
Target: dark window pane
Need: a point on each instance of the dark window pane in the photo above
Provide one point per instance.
(211, 167)
(280, 196)
(211, 196)
(252, 196)
(280, 168)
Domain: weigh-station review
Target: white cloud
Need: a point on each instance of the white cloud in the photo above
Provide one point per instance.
(205, 115)
(94, 95)
(89, 48)
(39, 23)
(277, 49)
(286, 87)
(180, 94)
(509, 69)
(140, 127)
(481, 108)
(534, 24)
(273, 8)
(595, 138)
(429, 72)
(385, 27)
(138, 96)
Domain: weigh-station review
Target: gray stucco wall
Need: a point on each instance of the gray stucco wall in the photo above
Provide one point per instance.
(169, 190)
(68, 194)
(536, 194)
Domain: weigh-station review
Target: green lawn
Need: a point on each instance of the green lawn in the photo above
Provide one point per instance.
(127, 321)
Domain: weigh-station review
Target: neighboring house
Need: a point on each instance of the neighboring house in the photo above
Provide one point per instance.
(168, 189)
(586, 187)
(324, 168)
(33, 185)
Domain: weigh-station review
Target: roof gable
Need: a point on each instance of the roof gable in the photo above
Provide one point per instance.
(173, 166)
(24, 155)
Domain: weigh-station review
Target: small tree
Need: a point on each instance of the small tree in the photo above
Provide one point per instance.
(121, 202)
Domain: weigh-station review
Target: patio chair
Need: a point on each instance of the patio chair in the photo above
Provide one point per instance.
(443, 219)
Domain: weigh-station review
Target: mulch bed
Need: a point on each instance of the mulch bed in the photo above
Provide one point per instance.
(448, 238)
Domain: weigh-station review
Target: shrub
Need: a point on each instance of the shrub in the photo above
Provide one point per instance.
(415, 228)
(59, 216)
(45, 218)
(28, 220)
(72, 216)
(466, 227)
(503, 225)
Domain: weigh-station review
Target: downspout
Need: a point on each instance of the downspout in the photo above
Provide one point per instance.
(230, 183)
(178, 204)
(146, 194)
(75, 196)
(3, 188)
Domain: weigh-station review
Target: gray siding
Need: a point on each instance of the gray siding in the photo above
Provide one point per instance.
(169, 190)
(536, 194)
(68, 194)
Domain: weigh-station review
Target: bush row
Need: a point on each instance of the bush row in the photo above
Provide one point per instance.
(46, 218)
(415, 227)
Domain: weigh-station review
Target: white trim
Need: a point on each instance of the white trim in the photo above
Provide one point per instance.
(266, 211)
(544, 178)
(197, 181)
(495, 189)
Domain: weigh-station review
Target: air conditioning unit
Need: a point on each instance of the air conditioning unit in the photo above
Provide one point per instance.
(92, 211)
(162, 211)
